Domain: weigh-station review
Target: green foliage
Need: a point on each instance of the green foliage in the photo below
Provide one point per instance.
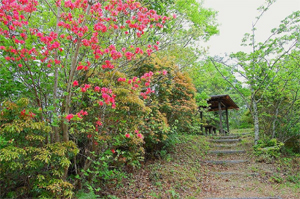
(210, 79)
(276, 179)
(29, 165)
(173, 105)
(294, 179)
(198, 16)
(268, 150)
(271, 73)
(45, 154)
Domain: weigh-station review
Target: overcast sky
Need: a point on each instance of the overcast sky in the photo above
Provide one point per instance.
(236, 17)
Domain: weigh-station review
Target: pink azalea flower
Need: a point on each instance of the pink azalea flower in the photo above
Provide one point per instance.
(75, 83)
(97, 89)
(69, 117)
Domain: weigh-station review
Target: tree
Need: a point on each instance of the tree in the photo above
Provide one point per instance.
(65, 56)
(208, 81)
(266, 64)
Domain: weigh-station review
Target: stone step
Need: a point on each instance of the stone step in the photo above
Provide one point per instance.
(225, 161)
(245, 133)
(230, 145)
(227, 152)
(235, 173)
(225, 140)
(227, 137)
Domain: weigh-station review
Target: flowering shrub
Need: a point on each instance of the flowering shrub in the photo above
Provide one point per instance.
(172, 105)
(30, 165)
(68, 58)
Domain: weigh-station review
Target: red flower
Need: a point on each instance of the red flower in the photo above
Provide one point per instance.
(127, 135)
(83, 113)
(23, 112)
(31, 114)
(75, 83)
(97, 89)
(87, 86)
(80, 67)
(69, 117)
(113, 151)
(57, 61)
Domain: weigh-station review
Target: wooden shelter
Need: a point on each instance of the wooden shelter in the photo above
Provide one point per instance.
(220, 103)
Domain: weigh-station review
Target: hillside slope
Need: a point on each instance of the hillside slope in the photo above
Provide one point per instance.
(187, 173)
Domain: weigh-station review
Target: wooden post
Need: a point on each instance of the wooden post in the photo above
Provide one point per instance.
(227, 120)
(220, 115)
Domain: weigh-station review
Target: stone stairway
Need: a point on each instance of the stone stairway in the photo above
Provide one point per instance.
(226, 145)
(229, 160)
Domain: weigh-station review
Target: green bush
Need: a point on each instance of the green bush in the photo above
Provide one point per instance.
(268, 150)
(30, 166)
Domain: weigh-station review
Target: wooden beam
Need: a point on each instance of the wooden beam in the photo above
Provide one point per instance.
(220, 115)
(227, 120)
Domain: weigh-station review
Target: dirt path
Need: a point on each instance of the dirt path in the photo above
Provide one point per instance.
(240, 176)
(184, 173)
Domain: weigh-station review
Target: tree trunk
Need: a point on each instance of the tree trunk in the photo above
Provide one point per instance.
(256, 121)
(274, 123)
(55, 129)
(65, 127)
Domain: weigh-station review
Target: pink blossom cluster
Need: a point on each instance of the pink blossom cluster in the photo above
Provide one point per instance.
(74, 28)
(108, 97)
(30, 114)
(69, 117)
(81, 113)
(83, 67)
(98, 123)
(85, 88)
(135, 82)
(148, 91)
(139, 135)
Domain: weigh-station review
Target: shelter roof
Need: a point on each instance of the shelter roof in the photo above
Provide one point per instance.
(226, 102)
